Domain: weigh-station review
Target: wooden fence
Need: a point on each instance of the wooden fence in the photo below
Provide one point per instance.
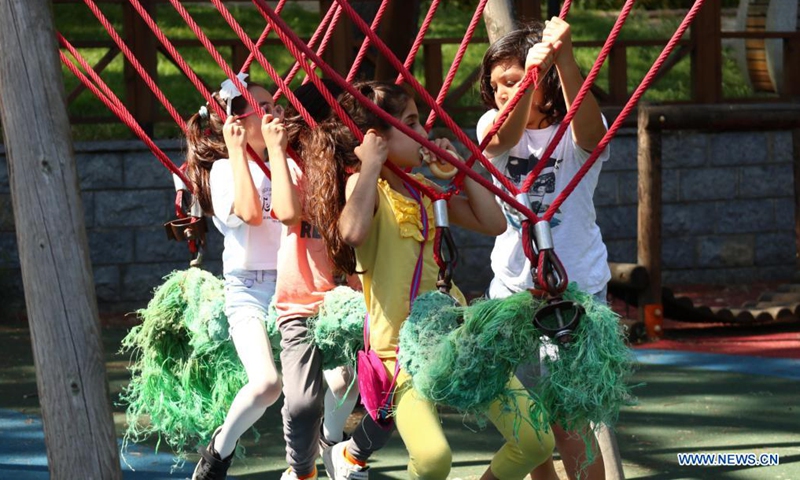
(704, 47)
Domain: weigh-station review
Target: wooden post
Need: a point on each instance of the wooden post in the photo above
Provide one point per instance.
(140, 100)
(707, 54)
(499, 18)
(239, 54)
(340, 54)
(434, 71)
(528, 10)
(53, 249)
(398, 29)
(651, 311)
(796, 163)
(791, 67)
(618, 74)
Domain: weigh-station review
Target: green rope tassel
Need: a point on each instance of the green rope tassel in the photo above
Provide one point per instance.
(184, 369)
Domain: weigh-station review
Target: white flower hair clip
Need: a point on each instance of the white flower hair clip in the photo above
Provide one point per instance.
(228, 91)
(203, 112)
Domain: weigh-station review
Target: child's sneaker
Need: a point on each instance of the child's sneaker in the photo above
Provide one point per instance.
(290, 475)
(338, 467)
(325, 444)
(211, 466)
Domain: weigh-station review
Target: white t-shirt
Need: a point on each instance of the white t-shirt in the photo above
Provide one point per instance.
(576, 236)
(246, 247)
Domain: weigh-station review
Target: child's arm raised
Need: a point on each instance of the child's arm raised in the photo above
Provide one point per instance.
(285, 201)
(505, 85)
(478, 210)
(587, 125)
(361, 191)
(246, 200)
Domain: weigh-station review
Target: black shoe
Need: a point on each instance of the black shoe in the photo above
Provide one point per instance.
(211, 466)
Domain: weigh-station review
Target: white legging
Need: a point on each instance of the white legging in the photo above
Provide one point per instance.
(263, 386)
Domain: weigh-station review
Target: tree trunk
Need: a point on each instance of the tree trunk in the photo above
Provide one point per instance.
(398, 29)
(499, 18)
(53, 250)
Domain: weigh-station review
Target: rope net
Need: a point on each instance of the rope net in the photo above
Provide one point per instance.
(307, 57)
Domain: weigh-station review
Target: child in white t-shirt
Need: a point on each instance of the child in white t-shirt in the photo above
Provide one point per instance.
(516, 150)
(230, 186)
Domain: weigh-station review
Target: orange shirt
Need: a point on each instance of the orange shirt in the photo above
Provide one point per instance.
(304, 269)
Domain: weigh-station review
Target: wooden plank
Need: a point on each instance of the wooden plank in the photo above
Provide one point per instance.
(398, 30)
(53, 248)
(727, 117)
(110, 55)
(707, 54)
(434, 71)
(649, 209)
(528, 10)
(791, 67)
(796, 167)
(140, 39)
(618, 74)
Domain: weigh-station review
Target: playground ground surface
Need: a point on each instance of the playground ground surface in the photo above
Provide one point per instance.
(704, 389)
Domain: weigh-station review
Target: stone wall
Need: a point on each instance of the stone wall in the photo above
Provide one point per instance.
(728, 215)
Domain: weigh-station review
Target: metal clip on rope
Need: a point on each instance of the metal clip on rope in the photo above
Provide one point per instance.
(445, 251)
(550, 272)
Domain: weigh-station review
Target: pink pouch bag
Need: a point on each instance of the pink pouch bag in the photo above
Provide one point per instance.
(375, 386)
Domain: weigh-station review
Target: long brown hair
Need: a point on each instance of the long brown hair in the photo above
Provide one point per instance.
(205, 145)
(330, 160)
(514, 46)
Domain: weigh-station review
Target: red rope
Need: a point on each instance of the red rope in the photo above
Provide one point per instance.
(113, 103)
(331, 17)
(645, 83)
(298, 49)
(228, 71)
(148, 80)
(262, 60)
(451, 124)
(328, 35)
(261, 40)
(418, 41)
(193, 78)
(462, 49)
(362, 52)
(582, 93)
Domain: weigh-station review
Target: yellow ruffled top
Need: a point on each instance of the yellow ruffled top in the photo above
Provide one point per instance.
(406, 211)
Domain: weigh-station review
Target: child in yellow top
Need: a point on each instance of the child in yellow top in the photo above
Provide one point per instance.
(372, 225)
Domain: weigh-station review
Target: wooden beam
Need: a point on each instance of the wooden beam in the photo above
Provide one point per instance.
(618, 75)
(528, 10)
(398, 29)
(796, 166)
(434, 71)
(725, 117)
(140, 39)
(110, 55)
(707, 53)
(53, 248)
(649, 221)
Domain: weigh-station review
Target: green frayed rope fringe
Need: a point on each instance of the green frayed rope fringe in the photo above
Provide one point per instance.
(468, 366)
(184, 369)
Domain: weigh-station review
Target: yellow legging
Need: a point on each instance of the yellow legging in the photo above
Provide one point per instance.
(418, 422)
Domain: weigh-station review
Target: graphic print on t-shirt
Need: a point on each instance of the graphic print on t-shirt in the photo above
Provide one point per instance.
(266, 201)
(517, 170)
